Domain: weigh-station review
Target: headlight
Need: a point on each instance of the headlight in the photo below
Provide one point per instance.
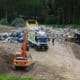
(38, 43)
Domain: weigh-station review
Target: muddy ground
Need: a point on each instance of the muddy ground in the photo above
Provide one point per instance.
(39, 70)
(60, 62)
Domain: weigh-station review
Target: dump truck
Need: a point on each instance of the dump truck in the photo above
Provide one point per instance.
(32, 24)
(37, 38)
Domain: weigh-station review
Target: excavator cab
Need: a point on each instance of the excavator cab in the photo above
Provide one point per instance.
(22, 62)
(18, 54)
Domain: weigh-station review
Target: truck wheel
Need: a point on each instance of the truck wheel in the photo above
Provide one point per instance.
(29, 56)
(13, 67)
(46, 49)
(37, 49)
(27, 49)
(27, 69)
(31, 45)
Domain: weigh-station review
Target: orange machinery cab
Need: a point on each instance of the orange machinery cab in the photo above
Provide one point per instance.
(20, 61)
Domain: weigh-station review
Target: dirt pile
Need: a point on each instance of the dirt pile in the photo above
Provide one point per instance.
(5, 60)
(6, 28)
(76, 50)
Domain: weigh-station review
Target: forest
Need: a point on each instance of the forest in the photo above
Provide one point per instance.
(45, 11)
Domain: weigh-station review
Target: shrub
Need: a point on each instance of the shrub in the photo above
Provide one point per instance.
(18, 22)
(50, 19)
(3, 21)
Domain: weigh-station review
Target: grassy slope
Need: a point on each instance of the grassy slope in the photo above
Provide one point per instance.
(4, 77)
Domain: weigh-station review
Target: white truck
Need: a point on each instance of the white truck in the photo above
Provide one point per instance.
(38, 40)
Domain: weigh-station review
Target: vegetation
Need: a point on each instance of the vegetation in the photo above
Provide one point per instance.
(46, 11)
(4, 77)
(18, 22)
(76, 26)
(3, 22)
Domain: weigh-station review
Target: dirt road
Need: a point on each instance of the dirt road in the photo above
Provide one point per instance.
(59, 60)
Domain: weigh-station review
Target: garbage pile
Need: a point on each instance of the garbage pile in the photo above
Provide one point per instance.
(59, 34)
(12, 37)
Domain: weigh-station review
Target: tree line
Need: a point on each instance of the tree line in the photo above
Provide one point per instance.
(46, 11)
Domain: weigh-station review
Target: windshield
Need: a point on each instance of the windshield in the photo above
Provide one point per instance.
(42, 39)
(21, 58)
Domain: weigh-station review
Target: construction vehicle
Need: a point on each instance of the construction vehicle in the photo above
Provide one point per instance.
(76, 37)
(37, 38)
(22, 59)
(31, 24)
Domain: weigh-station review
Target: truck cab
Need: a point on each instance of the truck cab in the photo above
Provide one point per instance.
(41, 43)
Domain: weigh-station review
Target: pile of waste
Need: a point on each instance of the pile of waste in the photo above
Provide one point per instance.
(14, 36)
(59, 34)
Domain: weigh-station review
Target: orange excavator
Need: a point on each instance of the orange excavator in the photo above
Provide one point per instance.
(22, 59)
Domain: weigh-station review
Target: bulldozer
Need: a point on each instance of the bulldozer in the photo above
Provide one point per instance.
(23, 59)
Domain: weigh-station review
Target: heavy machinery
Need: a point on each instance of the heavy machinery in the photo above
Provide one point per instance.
(31, 24)
(22, 59)
(76, 38)
(37, 38)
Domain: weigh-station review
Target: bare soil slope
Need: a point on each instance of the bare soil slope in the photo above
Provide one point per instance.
(6, 28)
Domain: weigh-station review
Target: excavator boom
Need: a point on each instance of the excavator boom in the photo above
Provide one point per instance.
(25, 41)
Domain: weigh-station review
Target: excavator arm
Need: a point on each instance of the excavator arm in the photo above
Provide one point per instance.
(25, 41)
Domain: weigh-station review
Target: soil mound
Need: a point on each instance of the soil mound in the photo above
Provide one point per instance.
(76, 50)
(5, 60)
